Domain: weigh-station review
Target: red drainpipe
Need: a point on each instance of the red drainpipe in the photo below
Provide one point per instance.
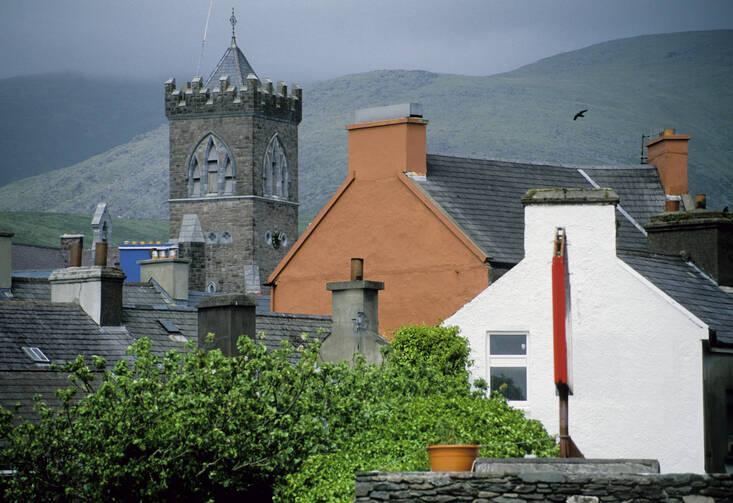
(568, 449)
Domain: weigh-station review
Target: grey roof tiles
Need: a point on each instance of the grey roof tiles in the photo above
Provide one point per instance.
(146, 322)
(483, 197)
(686, 284)
(234, 64)
(61, 331)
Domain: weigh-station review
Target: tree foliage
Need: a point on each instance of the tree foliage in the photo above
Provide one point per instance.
(214, 428)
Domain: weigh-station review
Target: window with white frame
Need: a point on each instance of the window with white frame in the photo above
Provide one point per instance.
(507, 360)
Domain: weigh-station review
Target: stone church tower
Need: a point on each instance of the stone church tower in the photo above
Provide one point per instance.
(233, 173)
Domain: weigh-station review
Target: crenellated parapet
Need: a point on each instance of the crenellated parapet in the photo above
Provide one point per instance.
(257, 98)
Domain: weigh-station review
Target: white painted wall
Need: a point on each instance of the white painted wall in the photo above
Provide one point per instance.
(636, 353)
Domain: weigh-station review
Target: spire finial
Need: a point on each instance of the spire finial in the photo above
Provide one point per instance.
(233, 21)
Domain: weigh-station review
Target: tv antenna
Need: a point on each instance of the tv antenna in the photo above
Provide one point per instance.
(203, 41)
(644, 137)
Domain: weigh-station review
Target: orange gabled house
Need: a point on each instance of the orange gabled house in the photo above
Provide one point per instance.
(436, 230)
(429, 266)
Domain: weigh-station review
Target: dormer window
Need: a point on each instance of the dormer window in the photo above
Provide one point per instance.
(275, 175)
(211, 168)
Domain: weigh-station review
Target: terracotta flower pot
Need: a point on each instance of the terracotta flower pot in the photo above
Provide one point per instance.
(452, 458)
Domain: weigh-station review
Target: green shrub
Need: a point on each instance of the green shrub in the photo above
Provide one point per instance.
(205, 426)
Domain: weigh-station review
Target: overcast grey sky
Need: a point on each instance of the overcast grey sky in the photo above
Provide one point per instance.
(307, 40)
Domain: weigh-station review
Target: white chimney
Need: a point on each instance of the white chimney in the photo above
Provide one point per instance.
(588, 216)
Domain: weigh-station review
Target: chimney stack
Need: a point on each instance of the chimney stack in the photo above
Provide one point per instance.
(355, 316)
(227, 317)
(98, 290)
(387, 141)
(668, 152)
(192, 246)
(703, 235)
(170, 273)
(6, 259)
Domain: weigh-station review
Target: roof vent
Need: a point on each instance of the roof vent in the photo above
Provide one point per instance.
(174, 333)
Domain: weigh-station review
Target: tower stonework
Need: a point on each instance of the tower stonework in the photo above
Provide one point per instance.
(234, 164)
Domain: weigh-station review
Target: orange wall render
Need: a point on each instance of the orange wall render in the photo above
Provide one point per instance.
(429, 268)
(428, 273)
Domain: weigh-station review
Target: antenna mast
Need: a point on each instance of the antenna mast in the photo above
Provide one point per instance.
(203, 41)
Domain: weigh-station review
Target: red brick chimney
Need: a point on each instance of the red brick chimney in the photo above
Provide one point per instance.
(668, 152)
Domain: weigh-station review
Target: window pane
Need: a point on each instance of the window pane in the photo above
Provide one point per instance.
(507, 344)
(510, 382)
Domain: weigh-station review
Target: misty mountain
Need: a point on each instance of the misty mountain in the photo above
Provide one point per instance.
(51, 121)
(631, 87)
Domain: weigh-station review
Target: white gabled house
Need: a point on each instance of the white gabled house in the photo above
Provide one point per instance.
(647, 378)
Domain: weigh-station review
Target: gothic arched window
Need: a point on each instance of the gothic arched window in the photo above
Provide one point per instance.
(211, 168)
(275, 175)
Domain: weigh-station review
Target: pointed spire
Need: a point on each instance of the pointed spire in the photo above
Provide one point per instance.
(233, 21)
(232, 64)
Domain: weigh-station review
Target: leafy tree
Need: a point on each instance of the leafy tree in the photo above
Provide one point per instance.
(215, 428)
(423, 385)
(197, 424)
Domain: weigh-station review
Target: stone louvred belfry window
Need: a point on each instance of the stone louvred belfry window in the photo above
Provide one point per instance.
(211, 168)
(195, 185)
(275, 175)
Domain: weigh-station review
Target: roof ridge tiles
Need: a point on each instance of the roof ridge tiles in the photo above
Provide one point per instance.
(541, 164)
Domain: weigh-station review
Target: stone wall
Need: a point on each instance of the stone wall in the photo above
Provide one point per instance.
(541, 486)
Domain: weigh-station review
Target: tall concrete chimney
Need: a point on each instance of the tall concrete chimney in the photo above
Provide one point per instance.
(668, 152)
(6, 259)
(386, 141)
(98, 290)
(355, 315)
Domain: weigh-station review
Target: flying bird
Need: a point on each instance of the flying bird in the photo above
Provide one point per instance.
(580, 114)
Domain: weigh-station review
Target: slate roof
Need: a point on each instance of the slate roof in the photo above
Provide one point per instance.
(141, 294)
(689, 286)
(150, 322)
(39, 290)
(280, 327)
(28, 257)
(30, 289)
(19, 388)
(60, 331)
(235, 65)
(483, 197)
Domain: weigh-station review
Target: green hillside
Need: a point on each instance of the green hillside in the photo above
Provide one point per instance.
(44, 229)
(630, 86)
(131, 178)
(51, 121)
